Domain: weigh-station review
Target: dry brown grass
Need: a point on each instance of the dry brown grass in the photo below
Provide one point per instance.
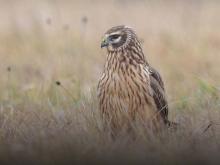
(42, 42)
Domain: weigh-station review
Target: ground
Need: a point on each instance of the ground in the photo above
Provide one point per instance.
(50, 63)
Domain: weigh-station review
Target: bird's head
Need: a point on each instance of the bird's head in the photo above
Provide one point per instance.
(118, 38)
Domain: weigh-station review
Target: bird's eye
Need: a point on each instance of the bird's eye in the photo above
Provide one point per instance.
(115, 36)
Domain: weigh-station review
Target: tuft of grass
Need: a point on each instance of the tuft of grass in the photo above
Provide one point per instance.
(51, 62)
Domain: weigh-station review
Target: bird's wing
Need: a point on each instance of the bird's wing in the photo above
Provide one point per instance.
(159, 96)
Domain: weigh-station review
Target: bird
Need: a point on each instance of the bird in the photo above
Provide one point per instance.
(129, 88)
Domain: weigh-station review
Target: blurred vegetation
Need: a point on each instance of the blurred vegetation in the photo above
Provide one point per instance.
(51, 61)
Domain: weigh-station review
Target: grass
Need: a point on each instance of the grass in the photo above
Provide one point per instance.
(50, 64)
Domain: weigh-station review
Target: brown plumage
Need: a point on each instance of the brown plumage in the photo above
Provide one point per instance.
(129, 87)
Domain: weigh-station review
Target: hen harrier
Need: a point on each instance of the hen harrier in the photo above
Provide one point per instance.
(129, 86)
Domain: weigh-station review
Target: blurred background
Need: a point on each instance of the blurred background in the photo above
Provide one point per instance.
(47, 40)
(51, 61)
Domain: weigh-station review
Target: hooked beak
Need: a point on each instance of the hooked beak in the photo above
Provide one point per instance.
(105, 42)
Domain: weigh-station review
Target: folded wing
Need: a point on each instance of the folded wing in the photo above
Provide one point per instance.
(159, 96)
